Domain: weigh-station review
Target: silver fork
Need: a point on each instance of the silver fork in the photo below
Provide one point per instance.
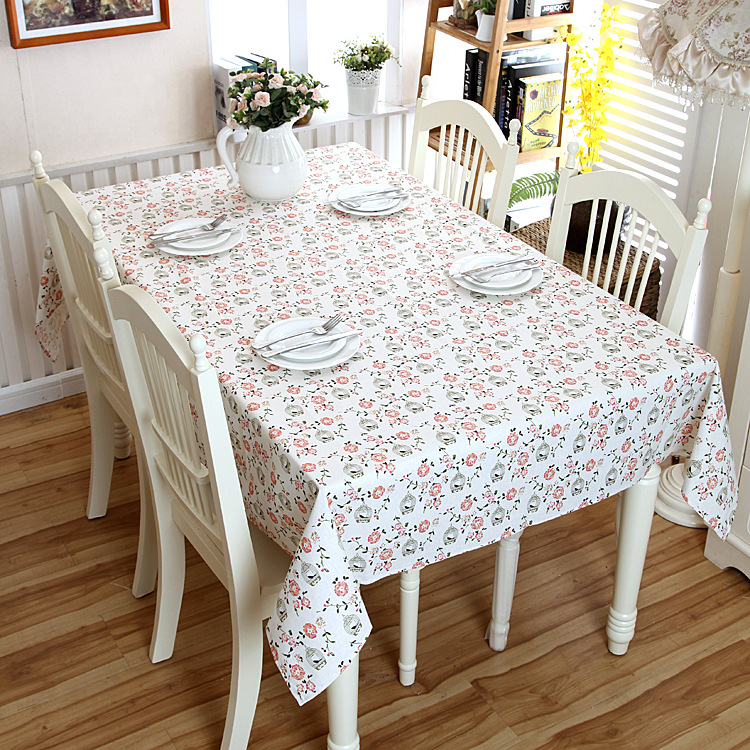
(174, 234)
(326, 327)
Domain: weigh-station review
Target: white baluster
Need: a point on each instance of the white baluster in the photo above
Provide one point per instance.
(198, 348)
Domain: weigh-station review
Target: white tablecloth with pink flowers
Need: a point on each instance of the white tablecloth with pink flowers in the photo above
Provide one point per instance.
(462, 419)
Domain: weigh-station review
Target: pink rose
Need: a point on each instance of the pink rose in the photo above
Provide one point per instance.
(302, 89)
(276, 81)
(262, 99)
(316, 95)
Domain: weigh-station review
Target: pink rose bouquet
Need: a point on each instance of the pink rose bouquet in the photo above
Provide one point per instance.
(267, 98)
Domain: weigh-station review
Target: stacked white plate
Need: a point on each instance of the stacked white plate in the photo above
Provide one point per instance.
(505, 283)
(375, 206)
(316, 354)
(215, 242)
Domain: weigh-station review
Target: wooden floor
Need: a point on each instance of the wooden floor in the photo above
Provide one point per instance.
(75, 674)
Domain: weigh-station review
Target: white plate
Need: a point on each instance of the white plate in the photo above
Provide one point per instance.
(310, 354)
(503, 281)
(228, 240)
(537, 274)
(374, 207)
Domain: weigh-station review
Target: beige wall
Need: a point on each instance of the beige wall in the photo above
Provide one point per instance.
(82, 101)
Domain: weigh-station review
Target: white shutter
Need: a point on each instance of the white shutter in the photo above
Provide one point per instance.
(648, 131)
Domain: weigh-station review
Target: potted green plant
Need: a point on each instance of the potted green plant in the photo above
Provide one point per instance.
(485, 19)
(363, 62)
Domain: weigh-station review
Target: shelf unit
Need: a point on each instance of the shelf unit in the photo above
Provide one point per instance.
(495, 49)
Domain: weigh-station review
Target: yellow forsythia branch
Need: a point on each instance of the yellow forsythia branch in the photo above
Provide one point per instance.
(589, 73)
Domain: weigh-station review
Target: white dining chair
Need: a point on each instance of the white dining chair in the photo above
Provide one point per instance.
(197, 495)
(469, 145)
(655, 225)
(75, 239)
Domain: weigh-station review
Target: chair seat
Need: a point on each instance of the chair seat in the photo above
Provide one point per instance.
(536, 235)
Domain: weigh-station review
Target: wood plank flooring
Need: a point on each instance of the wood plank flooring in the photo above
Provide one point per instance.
(75, 673)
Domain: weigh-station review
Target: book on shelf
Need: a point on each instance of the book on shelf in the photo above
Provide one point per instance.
(513, 74)
(470, 74)
(538, 108)
(537, 8)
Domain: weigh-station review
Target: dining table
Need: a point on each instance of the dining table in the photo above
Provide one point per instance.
(455, 418)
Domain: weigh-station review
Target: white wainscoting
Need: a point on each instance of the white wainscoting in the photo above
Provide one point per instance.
(27, 376)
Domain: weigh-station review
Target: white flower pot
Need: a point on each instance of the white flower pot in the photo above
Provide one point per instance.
(486, 25)
(362, 87)
(270, 165)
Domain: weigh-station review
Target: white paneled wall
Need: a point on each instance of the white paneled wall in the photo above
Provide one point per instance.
(27, 376)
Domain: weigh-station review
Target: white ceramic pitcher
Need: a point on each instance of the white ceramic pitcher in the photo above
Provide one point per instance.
(270, 165)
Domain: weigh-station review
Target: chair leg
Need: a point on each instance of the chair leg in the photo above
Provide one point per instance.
(407, 657)
(171, 582)
(146, 563)
(247, 665)
(101, 417)
(506, 567)
(123, 439)
(636, 514)
(342, 695)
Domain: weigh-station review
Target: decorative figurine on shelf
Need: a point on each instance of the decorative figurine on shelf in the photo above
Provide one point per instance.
(464, 14)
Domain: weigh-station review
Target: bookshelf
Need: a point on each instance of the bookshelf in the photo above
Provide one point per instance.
(495, 49)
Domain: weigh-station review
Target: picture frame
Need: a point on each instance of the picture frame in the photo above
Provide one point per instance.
(33, 23)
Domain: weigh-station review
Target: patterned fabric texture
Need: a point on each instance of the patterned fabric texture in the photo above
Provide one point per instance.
(462, 419)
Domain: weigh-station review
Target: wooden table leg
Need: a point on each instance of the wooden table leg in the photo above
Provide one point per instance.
(506, 566)
(636, 514)
(342, 694)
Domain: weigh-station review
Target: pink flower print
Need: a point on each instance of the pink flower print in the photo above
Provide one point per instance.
(424, 526)
(310, 630)
(549, 473)
(424, 469)
(466, 504)
(294, 588)
(306, 544)
(262, 98)
(477, 523)
(374, 537)
(297, 672)
(471, 459)
(378, 492)
(594, 411)
(341, 588)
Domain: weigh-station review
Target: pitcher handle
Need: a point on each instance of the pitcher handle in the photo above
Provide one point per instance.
(221, 147)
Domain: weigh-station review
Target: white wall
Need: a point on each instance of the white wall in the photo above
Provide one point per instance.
(82, 101)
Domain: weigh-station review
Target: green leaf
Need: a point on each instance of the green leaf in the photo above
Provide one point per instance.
(533, 186)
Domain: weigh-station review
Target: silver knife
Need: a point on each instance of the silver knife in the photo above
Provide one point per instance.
(318, 340)
(195, 236)
(492, 266)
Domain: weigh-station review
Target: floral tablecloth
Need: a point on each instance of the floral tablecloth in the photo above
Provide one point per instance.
(462, 419)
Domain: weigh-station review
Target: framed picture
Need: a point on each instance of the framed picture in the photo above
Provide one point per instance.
(36, 22)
